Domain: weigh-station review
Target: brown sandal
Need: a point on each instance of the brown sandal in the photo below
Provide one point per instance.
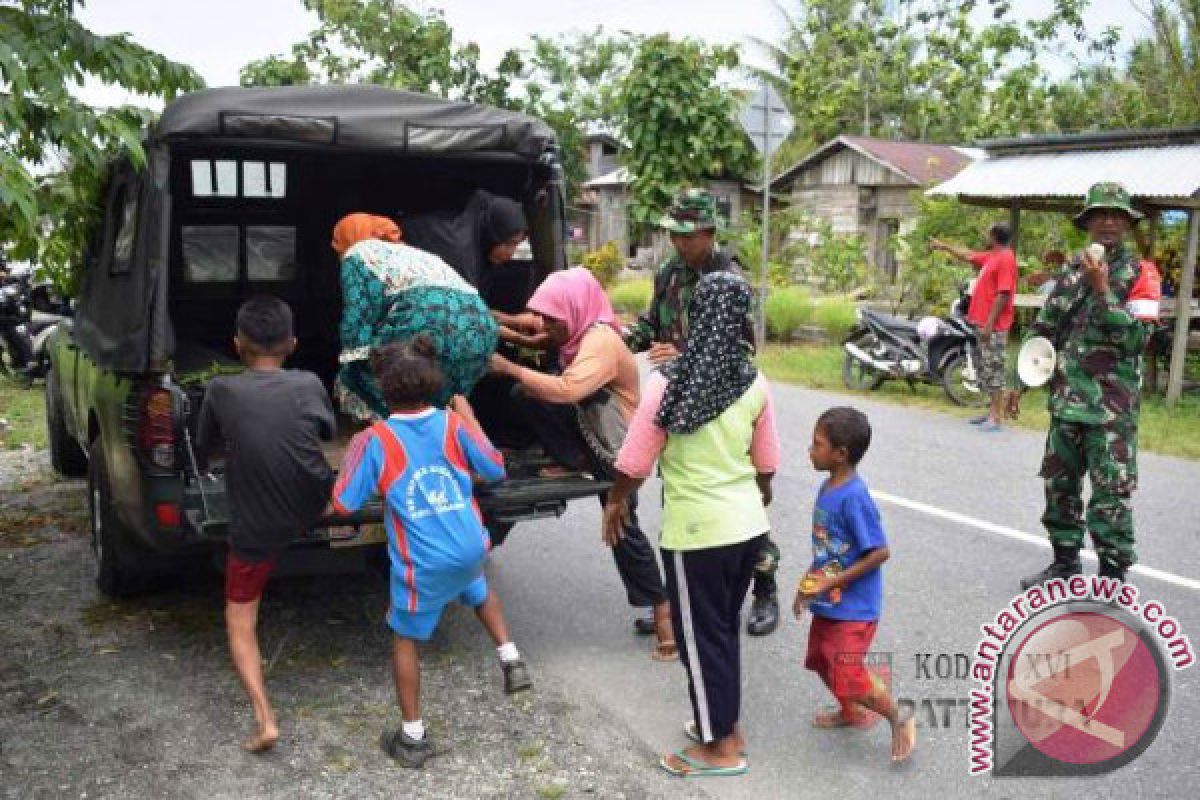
(665, 651)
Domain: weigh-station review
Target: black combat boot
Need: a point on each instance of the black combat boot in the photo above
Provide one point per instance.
(764, 615)
(1112, 571)
(1065, 564)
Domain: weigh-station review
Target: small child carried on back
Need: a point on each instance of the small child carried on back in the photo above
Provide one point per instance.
(271, 422)
(843, 589)
(421, 461)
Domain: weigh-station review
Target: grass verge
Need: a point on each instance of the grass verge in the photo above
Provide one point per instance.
(1174, 432)
(24, 412)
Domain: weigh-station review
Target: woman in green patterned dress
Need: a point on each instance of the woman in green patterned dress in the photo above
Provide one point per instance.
(391, 292)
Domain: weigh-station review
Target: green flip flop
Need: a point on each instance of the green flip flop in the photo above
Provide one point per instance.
(700, 769)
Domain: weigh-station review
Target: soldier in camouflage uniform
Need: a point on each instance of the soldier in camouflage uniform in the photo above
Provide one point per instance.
(661, 331)
(1094, 395)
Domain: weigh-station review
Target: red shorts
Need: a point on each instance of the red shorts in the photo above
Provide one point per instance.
(245, 580)
(837, 651)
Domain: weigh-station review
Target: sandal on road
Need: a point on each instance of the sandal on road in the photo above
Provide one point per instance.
(665, 651)
(686, 766)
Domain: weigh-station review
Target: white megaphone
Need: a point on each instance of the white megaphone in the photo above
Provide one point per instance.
(1035, 361)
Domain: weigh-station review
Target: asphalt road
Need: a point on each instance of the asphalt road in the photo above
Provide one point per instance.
(947, 576)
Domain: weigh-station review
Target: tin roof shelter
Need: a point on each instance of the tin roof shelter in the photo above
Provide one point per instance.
(1159, 168)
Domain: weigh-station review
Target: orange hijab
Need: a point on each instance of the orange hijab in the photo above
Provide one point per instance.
(354, 228)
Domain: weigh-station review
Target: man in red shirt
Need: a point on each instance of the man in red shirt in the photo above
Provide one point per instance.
(991, 312)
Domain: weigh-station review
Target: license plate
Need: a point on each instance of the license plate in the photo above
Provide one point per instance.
(356, 536)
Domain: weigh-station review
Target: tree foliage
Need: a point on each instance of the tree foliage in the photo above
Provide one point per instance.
(571, 82)
(680, 123)
(387, 43)
(54, 148)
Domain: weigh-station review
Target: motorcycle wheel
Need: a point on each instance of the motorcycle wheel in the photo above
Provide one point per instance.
(962, 384)
(858, 376)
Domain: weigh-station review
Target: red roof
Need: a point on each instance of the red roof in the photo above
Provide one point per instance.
(920, 162)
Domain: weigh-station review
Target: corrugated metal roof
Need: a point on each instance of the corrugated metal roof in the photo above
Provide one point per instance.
(1155, 174)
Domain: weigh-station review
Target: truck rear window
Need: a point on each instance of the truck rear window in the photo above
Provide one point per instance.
(229, 178)
(211, 253)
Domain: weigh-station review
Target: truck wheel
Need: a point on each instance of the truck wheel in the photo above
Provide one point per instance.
(117, 571)
(66, 456)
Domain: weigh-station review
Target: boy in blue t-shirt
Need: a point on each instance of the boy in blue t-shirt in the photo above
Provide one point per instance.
(844, 586)
(421, 461)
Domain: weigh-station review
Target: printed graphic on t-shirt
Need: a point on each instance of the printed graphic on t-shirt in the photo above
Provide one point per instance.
(829, 552)
(431, 491)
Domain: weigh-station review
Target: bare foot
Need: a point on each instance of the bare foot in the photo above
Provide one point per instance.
(831, 718)
(262, 740)
(904, 736)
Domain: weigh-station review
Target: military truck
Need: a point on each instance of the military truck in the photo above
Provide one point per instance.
(238, 195)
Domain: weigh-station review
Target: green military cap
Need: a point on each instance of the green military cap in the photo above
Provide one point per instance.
(1106, 195)
(693, 210)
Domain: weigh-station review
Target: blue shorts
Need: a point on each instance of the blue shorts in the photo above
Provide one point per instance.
(420, 625)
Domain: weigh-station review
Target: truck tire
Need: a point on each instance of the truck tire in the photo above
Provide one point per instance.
(66, 456)
(118, 570)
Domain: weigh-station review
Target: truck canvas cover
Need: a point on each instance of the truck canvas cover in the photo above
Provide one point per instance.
(122, 320)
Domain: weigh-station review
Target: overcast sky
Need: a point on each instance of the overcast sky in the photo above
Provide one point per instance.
(217, 37)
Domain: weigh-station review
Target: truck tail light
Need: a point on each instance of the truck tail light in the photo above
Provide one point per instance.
(156, 427)
(168, 515)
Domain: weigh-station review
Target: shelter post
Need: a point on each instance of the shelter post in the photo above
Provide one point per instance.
(1183, 310)
(1014, 225)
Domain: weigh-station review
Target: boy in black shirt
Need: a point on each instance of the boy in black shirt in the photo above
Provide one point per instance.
(271, 421)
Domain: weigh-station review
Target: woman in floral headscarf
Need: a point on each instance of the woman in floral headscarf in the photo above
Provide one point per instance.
(392, 292)
(579, 322)
(707, 419)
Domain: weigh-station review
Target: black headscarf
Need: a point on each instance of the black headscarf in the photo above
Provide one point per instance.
(715, 369)
(499, 219)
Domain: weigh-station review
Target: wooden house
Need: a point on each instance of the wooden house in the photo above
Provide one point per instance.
(861, 185)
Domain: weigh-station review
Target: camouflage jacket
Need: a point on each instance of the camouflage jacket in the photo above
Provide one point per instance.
(1097, 379)
(674, 285)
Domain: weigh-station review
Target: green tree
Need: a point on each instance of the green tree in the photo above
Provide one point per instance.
(572, 82)
(54, 148)
(387, 43)
(680, 122)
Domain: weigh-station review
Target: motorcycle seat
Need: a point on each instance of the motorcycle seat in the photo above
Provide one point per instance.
(896, 324)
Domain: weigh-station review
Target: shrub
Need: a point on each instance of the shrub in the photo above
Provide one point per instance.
(605, 263)
(836, 316)
(787, 309)
(631, 297)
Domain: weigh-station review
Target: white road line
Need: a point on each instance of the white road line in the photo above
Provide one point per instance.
(1022, 536)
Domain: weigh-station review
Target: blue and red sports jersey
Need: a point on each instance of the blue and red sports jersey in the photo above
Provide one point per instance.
(421, 465)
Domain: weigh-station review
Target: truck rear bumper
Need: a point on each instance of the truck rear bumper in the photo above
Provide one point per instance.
(206, 517)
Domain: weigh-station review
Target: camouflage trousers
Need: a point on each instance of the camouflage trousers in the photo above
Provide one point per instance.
(1107, 454)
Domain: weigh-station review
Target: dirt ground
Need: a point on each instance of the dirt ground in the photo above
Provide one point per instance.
(135, 698)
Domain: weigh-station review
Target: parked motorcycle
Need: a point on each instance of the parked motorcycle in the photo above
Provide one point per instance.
(941, 351)
(29, 313)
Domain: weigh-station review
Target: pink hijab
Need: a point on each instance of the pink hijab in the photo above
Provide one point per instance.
(573, 296)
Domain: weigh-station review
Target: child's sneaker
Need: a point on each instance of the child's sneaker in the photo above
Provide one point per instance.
(516, 677)
(407, 751)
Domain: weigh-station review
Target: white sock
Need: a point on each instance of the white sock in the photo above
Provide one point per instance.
(508, 653)
(415, 729)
